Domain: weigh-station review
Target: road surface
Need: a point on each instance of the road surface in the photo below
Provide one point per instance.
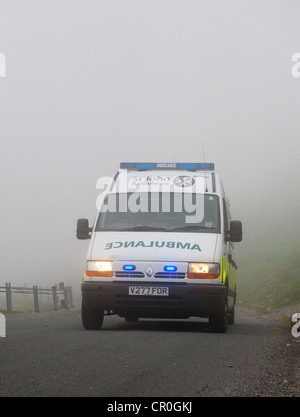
(50, 354)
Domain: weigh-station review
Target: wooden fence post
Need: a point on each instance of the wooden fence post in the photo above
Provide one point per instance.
(8, 297)
(66, 295)
(36, 298)
(54, 298)
(71, 297)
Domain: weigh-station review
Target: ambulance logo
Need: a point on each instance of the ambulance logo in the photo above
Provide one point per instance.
(183, 181)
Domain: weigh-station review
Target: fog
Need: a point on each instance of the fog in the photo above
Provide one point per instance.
(90, 84)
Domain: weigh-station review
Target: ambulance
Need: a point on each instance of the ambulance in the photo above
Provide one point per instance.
(161, 246)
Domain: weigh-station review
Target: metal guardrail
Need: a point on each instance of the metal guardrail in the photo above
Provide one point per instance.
(66, 292)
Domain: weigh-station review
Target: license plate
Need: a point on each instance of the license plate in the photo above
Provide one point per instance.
(143, 290)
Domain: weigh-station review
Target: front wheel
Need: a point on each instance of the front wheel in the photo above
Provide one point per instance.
(131, 319)
(231, 316)
(92, 319)
(219, 321)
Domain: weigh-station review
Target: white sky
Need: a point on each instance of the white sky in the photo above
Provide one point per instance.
(92, 83)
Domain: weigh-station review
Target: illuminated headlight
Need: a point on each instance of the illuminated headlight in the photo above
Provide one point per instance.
(203, 270)
(99, 269)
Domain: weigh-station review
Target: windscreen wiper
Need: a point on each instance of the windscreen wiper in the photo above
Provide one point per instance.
(145, 228)
(191, 227)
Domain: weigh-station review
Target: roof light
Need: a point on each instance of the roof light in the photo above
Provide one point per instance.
(169, 165)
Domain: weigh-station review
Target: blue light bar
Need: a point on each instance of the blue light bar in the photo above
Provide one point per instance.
(187, 166)
(204, 166)
(129, 267)
(170, 268)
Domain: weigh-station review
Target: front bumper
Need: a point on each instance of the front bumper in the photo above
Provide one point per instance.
(184, 300)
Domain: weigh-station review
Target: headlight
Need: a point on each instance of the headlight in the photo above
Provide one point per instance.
(99, 269)
(203, 270)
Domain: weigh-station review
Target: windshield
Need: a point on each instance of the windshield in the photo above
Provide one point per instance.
(159, 212)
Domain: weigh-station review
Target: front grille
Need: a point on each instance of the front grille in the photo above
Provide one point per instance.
(138, 301)
(129, 274)
(178, 275)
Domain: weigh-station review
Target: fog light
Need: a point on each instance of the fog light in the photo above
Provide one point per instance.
(203, 271)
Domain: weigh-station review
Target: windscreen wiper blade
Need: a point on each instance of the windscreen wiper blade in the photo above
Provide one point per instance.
(145, 228)
(192, 227)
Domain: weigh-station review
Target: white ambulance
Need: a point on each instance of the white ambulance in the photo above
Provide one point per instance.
(162, 246)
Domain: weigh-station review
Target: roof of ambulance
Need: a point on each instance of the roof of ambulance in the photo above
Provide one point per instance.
(170, 173)
(166, 169)
(154, 175)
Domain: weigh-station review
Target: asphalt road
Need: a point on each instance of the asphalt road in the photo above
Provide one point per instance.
(50, 354)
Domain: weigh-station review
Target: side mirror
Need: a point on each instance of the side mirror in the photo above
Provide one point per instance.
(83, 229)
(235, 234)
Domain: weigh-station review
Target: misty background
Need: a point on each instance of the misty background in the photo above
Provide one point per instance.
(90, 84)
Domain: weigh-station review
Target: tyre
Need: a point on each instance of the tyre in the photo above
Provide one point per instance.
(92, 319)
(219, 321)
(231, 316)
(131, 319)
